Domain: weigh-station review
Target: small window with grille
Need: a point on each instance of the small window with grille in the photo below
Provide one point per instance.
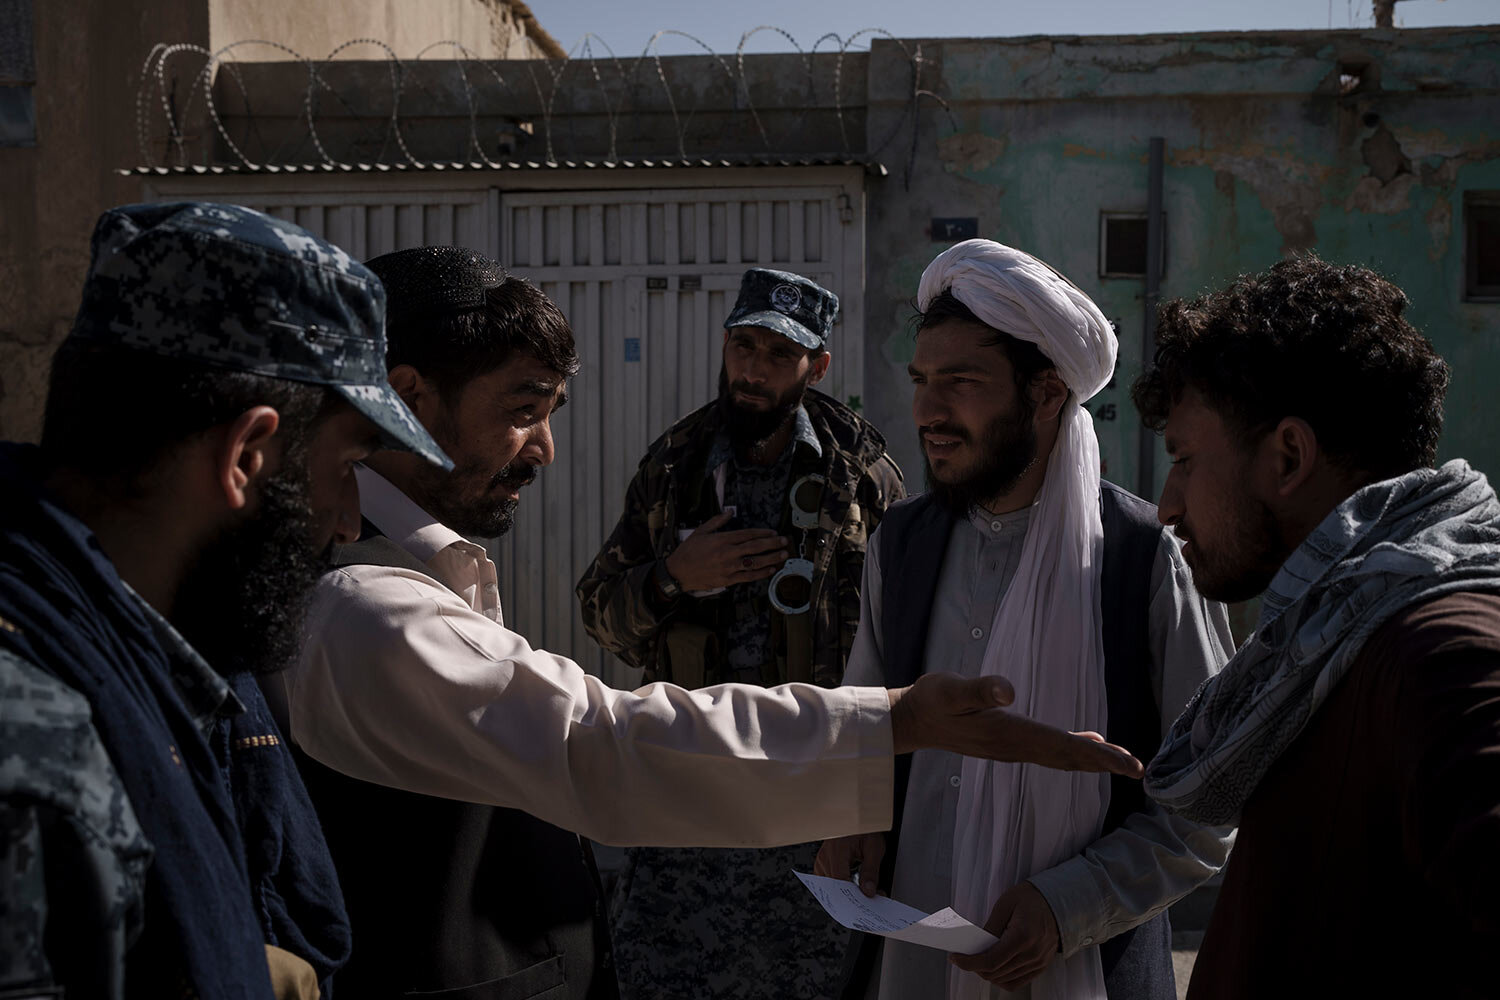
(1122, 245)
(1482, 246)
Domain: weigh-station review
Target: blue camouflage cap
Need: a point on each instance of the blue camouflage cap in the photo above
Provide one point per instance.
(232, 288)
(798, 308)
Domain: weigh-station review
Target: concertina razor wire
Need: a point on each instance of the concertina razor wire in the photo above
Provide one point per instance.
(618, 82)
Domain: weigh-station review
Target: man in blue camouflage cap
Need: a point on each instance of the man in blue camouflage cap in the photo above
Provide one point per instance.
(224, 373)
(738, 558)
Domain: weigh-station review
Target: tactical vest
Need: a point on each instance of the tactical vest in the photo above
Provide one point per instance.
(456, 899)
(913, 540)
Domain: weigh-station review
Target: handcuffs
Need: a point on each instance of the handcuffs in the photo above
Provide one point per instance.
(791, 588)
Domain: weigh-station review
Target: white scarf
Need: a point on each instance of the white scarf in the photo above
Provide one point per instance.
(1018, 819)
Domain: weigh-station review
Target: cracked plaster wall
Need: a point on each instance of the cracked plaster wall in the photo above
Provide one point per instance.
(1264, 157)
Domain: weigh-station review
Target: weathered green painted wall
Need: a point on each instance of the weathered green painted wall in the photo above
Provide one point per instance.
(1264, 156)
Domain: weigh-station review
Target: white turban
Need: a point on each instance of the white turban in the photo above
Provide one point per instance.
(1017, 294)
(1015, 820)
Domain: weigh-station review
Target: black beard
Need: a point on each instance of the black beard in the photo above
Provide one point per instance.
(492, 522)
(449, 496)
(476, 519)
(243, 602)
(1008, 448)
(748, 429)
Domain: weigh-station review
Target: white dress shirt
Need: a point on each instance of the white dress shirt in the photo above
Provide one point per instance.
(412, 680)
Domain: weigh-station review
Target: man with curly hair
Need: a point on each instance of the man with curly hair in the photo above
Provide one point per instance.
(1355, 738)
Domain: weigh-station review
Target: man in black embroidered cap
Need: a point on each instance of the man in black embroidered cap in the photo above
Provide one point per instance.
(222, 376)
(738, 558)
(411, 680)
(478, 894)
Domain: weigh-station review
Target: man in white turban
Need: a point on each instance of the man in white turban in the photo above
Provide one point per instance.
(1019, 561)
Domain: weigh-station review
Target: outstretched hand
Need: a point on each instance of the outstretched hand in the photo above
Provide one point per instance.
(964, 716)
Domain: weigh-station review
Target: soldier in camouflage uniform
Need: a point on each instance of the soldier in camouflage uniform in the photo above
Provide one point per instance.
(224, 371)
(738, 558)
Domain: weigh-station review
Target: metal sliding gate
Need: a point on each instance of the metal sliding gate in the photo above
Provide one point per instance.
(645, 277)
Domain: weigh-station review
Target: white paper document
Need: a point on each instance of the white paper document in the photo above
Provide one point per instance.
(945, 929)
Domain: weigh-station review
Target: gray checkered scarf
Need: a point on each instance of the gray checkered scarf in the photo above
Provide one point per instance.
(1392, 544)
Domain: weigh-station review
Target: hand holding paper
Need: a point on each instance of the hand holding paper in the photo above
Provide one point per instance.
(840, 857)
(944, 930)
(1028, 941)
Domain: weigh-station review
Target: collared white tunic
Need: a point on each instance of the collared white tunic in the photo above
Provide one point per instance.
(412, 680)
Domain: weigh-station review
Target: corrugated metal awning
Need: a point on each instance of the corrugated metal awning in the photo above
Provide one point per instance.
(871, 165)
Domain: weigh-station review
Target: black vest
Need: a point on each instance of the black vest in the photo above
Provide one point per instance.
(455, 899)
(913, 540)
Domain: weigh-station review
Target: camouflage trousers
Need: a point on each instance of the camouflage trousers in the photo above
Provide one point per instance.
(694, 924)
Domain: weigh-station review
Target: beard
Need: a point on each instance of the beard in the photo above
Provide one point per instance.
(243, 601)
(751, 429)
(1248, 552)
(464, 498)
(1007, 448)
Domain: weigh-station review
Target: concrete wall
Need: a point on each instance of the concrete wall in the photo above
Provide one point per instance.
(490, 29)
(88, 64)
(1264, 156)
(698, 105)
(88, 59)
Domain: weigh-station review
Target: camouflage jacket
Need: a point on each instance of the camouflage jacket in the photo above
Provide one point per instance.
(74, 859)
(673, 489)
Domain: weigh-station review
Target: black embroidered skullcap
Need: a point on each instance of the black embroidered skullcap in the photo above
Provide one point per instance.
(435, 281)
